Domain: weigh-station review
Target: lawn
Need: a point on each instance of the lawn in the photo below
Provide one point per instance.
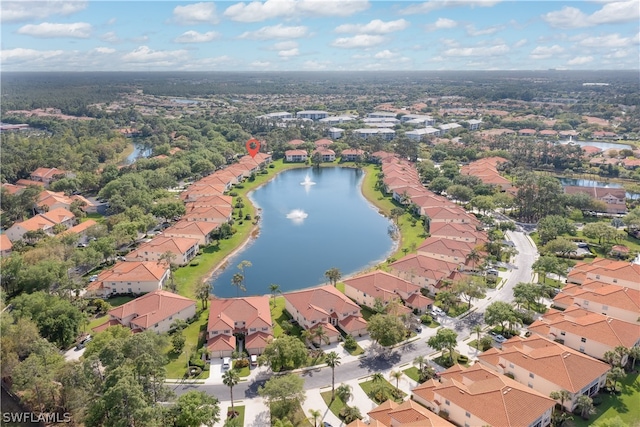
(356, 352)
(368, 386)
(280, 317)
(335, 406)
(413, 373)
(626, 406)
(195, 335)
(239, 410)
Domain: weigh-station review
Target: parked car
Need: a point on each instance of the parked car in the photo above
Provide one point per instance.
(83, 343)
(417, 329)
(93, 278)
(226, 362)
(436, 311)
(499, 338)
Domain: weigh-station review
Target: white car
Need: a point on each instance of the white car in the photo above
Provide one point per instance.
(436, 311)
(499, 339)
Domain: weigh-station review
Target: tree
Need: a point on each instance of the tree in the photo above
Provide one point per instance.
(600, 231)
(333, 360)
(196, 408)
(546, 264)
(585, 405)
(477, 329)
(314, 414)
(344, 393)
(238, 281)
(615, 375)
(470, 289)
(350, 414)
(318, 335)
(178, 340)
(446, 298)
(203, 292)
(283, 393)
(444, 339)
(559, 246)
(275, 290)
(420, 361)
(396, 375)
(333, 275)
(561, 395)
(231, 378)
(634, 353)
(554, 226)
(285, 352)
(396, 213)
(439, 184)
(498, 313)
(168, 257)
(386, 329)
(527, 293)
(461, 193)
(244, 264)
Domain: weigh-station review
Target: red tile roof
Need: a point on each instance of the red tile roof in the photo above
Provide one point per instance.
(152, 308)
(380, 284)
(320, 302)
(253, 311)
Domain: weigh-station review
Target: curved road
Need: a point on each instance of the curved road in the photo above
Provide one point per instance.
(378, 360)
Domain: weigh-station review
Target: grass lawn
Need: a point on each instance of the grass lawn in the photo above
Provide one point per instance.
(335, 406)
(280, 317)
(368, 386)
(298, 417)
(358, 351)
(195, 337)
(366, 312)
(95, 322)
(244, 372)
(626, 406)
(413, 373)
(239, 410)
(118, 301)
(445, 360)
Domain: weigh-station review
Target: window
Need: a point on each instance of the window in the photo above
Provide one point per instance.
(531, 375)
(252, 330)
(615, 280)
(583, 339)
(530, 385)
(562, 333)
(586, 303)
(467, 414)
(511, 365)
(446, 402)
(581, 349)
(170, 317)
(226, 331)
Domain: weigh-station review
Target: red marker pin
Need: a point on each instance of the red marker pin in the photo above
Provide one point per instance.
(253, 146)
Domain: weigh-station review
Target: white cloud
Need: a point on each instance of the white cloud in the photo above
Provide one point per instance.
(104, 50)
(197, 13)
(385, 54)
(430, 6)
(473, 32)
(358, 41)
(21, 55)
(496, 50)
(260, 64)
(580, 60)
(196, 37)
(289, 53)
(520, 43)
(611, 13)
(376, 26)
(316, 65)
(606, 42)
(285, 45)
(275, 32)
(544, 52)
(442, 24)
(257, 11)
(144, 54)
(80, 30)
(110, 37)
(20, 11)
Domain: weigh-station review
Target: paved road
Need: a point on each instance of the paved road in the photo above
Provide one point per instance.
(383, 359)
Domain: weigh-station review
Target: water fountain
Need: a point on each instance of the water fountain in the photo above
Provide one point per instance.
(297, 216)
(307, 181)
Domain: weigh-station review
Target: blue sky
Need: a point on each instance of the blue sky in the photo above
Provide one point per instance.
(294, 35)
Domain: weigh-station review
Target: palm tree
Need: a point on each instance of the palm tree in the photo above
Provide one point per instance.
(420, 361)
(614, 375)
(203, 291)
(634, 353)
(561, 395)
(333, 275)
(274, 289)
(622, 352)
(343, 392)
(476, 330)
(585, 405)
(474, 256)
(351, 413)
(167, 258)
(315, 414)
(318, 333)
(611, 357)
(244, 264)
(238, 281)
(231, 378)
(377, 377)
(396, 375)
(333, 359)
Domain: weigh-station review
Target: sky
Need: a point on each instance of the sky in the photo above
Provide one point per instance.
(315, 35)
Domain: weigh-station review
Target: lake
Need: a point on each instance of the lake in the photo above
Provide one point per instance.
(604, 146)
(139, 151)
(593, 183)
(306, 230)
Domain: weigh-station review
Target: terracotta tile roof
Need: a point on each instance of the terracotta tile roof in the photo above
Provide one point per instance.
(352, 152)
(381, 284)
(558, 364)
(217, 200)
(50, 198)
(161, 244)
(27, 182)
(107, 324)
(257, 340)
(323, 142)
(214, 179)
(611, 295)
(222, 343)
(253, 311)
(220, 213)
(381, 412)
(439, 214)
(419, 301)
(320, 302)
(295, 153)
(425, 390)
(44, 173)
(593, 326)
(12, 189)
(431, 200)
(424, 266)
(410, 413)
(448, 247)
(191, 228)
(5, 243)
(134, 271)
(152, 308)
(200, 190)
(460, 230)
(352, 324)
(495, 399)
(38, 222)
(58, 215)
(82, 227)
(328, 328)
(295, 142)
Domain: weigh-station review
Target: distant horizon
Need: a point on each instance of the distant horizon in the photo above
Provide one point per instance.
(319, 35)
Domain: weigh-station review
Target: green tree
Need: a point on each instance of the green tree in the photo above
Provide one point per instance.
(203, 293)
(285, 352)
(585, 405)
(446, 298)
(560, 395)
(601, 231)
(333, 360)
(460, 192)
(238, 281)
(195, 409)
(386, 329)
(350, 414)
(344, 393)
(178, 340)
(314, 415)
(444, 339)
(615, 375)
(231, 378)
(470, 289)
(283, 393)
(396, 375)
(634, 353)
(527, 293)
(498, 313)
(333, 275)
(559, 246)
(546, 264)
(275, 290)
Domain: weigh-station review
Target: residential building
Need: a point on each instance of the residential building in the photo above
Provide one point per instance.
(590, 333)
(48, 175)
(326, 154)
(296, 156)
(130, 277)
(43, 221)
(405, 414)
(614, 198)
(183, 250)
(527, 132)
(155, 311)
(352, 154)
(448, 127)
(455, 215)
(209, 201)
(5, 245)
(380, 287)
(423, 271)
(80, 230)
(598, 297)
(382, 115)
(312, 114)
(620, 273)
(325, 306)
(215, 214)
(418, 119)
(458, 231)
(423, 133)
(248, 318)
(474, 124)
(335, 133)
(197, 190)
(546, 366)
(334, 120)
(478, 396)
(200, 230)
(446, 249)
(276, 116)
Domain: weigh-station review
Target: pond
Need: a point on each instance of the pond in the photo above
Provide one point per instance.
(311, 220)
(593, 183)
(138, 152)
(601, 145)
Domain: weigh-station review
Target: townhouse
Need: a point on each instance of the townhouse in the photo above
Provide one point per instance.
(155, 311)
(246, 319)
(214, 214)
(312, 114)
(620, 273)
(546, 366)
(182, 249)
(5, 245)
(598, 297)
(590, 333)
(478, 396)
(209, 201)
(405, 414)
(328, 307)
(326, 154)
(130, 277)
(446, 249)
(47, 175)
(200, 230)
(352, 154)
(614, 198)
(44, 221)
(423, 271)
(296, 156)
(366, 133)
(463, 232)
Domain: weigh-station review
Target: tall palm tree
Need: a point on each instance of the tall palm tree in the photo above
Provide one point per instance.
(274, 289)
(344, 392)
(476, 330)
(315, 414)
(585, 405)
(318, 333)
(614, 375)
(473, 256)
(238, 281)
(242, 266)
(561, 395)
(231, 378)
(377, 377)
(420, 361)
(333, 275)
(333, 360)
(396, 375)
(634, 353)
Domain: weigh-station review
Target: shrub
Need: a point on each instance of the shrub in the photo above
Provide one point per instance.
(271, 166)
(426, 319)
(195, 361)
(240, 363)
(463, 359)
(350, 343)
(247, 217)
(194, 263)
(233, 193)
